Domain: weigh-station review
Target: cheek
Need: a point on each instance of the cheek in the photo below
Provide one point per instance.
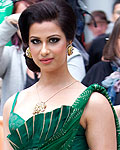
(61, 52)
(60, 49)
(34, 49)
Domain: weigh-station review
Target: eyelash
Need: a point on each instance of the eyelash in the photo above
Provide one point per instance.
(35, 41)
(52, 40)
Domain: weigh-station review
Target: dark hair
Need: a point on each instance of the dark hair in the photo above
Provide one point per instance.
(47, 10)
(114, 4)
(15, 38)
(109, 51)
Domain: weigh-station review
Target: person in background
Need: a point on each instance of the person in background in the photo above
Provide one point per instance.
(96, 49)
(99, 31)
(116, 10)
(58, 112)
(107, 71)
(101, 23)
(115, 15)
(12, 63)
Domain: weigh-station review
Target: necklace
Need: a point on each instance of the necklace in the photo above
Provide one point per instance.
(40, 107)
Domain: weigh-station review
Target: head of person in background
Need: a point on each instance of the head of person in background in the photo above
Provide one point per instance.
(19, 7)
(111, 50)
(101, 22)
(115, 10)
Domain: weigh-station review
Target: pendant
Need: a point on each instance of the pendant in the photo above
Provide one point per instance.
(39, 107)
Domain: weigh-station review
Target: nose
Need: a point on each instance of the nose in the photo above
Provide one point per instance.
(44, 50)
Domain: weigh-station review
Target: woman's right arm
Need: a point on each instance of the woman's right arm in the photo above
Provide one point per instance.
(6, 113)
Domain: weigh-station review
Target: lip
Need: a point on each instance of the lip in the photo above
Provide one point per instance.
(46, 60)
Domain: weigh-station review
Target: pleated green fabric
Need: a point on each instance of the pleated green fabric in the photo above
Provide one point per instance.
(58, 129)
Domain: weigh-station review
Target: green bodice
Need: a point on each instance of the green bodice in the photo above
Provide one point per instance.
(58, 129)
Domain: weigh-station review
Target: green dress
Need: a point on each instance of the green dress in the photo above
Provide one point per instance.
(58, 129)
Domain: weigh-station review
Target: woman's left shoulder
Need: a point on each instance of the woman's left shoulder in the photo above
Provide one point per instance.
(99, 105)
(97, 98)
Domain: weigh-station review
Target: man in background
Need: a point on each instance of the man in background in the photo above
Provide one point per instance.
(96, 48)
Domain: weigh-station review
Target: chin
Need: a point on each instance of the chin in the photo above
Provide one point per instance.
(49, 69)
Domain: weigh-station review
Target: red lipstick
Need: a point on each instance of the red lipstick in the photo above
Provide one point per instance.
(46, 60)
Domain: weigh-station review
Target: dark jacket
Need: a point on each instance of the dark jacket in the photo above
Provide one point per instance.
(96, 49)
(97, 74)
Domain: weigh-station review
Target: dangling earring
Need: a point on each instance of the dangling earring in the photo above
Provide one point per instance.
(28, 53)
(70, 49)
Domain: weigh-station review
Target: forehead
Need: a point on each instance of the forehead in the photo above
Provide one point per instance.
(97, 18)
(45, 28)
(117, 7)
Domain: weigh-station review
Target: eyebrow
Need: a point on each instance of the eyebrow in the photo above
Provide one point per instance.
(47, 37)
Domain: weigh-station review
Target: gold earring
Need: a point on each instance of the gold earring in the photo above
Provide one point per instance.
(28, 53)
(70, 49)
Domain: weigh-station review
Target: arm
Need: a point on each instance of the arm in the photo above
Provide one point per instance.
(100, 124)
(7, 30)
(76, 65)
(6, 112)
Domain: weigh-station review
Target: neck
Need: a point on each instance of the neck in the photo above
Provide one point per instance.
(57, 77)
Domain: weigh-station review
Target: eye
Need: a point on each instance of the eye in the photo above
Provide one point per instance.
(35, 41)
(54, 40)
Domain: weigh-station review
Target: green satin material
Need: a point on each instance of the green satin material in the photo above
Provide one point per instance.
(58, 129)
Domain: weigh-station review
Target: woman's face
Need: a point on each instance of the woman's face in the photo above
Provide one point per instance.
(48, 45)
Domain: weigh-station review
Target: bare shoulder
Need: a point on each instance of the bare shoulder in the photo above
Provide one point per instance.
(9, 102)
(98, 98)
(97, 107)
(8, 105)
(98, 120)
(98, 102)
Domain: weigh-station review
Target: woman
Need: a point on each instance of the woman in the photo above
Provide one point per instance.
(107, 71)
(12, 63)
(12, 81)
(59, 115)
